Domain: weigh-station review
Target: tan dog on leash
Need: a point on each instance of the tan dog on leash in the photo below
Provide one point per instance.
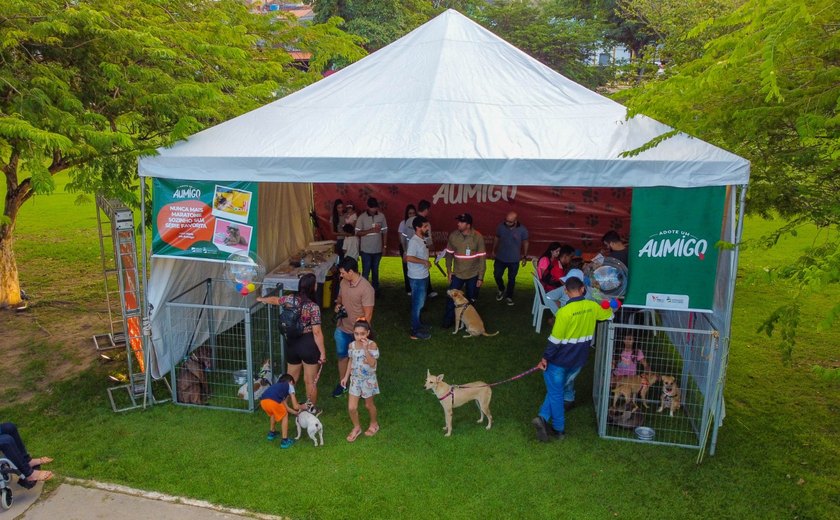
(454, 396)
(466, 316)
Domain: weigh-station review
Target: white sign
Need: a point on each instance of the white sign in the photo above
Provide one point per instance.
(667, 301)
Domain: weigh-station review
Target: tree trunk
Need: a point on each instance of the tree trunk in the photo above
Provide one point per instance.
(9, 282)
(15, 196)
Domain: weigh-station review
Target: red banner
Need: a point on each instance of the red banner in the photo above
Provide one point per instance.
(575, 216)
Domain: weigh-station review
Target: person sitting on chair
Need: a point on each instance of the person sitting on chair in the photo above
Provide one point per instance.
(13, 448)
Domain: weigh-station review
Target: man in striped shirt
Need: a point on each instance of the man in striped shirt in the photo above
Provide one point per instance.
(565, 354)
(465, 263)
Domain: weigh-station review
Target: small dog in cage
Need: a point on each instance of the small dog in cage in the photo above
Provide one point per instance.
(263, 380)
(629, 387)
(670, 395)
(193, 387)
(305, 420)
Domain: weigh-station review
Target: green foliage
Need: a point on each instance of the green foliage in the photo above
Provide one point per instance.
(91, 86)
(767, 87)
(562, 34)
(378, 22)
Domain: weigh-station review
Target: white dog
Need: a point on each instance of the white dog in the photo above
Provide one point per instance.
(312, 425)
(263, 380)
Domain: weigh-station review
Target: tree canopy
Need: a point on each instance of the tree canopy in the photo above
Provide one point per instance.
(89, 86)
(767, 87)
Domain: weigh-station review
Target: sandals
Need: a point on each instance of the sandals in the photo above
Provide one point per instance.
(36, 463)
(39, 476)
(370, 432)
(354, 434)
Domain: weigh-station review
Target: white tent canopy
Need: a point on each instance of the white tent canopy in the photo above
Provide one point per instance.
(448, 103)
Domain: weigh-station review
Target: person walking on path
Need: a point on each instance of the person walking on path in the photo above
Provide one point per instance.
(509, 248)
(465, 263)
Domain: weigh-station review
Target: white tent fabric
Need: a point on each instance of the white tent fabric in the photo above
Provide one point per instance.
(448, 103)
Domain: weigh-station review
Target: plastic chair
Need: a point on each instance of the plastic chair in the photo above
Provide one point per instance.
(541, 304)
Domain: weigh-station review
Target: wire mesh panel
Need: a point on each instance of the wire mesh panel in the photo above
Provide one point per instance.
(654, 383)
(230, 354)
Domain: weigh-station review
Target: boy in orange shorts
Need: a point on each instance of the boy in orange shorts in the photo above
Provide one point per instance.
(274, 404)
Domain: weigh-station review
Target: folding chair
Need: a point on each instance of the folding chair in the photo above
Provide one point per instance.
(541, 304)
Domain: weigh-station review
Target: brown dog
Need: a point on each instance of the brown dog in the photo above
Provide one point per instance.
(630, 386)
(193, 387)
(454, 396)
(467, 316)
(670, 395)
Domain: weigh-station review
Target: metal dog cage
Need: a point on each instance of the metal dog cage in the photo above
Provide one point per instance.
(684, 349)
(224, 347)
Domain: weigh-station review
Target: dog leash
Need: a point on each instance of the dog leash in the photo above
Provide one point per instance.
(318, 375)
(508, 380)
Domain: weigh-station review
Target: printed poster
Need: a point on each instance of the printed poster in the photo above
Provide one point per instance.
(204, 220)
(673, 255)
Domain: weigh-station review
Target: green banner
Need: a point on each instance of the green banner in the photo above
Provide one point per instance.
(204, 220)
(672, 253)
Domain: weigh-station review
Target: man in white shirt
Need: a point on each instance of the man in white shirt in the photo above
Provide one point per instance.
(417, 259)
(372, 231)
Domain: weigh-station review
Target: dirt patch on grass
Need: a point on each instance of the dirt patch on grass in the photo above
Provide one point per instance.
(48, 342)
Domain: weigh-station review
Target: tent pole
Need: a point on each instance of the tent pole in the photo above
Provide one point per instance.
(730, 303)
(144, 304)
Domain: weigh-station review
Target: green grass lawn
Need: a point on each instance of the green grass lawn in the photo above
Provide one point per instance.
(778, 453)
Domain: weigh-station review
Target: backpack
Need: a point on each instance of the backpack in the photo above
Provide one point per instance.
(290, 323)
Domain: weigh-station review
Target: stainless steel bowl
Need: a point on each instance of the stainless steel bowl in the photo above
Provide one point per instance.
(240, 377)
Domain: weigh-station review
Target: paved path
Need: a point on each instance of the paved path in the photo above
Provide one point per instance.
(83, 500)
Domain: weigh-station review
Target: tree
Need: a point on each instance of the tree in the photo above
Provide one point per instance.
(379, 22)
(90, 86)
(767, 87)
(563, 34)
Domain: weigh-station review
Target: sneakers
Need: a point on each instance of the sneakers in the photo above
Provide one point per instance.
(339, 390)
(499, 295)
(557, 436)
(287, 443)
(271, 436)
(433, 294)
(509, 301)
(420, 334)
(408, 293)
(541, 428)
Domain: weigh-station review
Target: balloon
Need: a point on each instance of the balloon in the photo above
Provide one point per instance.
(244, 270)
(615, 304)
(609, 279)
(605, 304)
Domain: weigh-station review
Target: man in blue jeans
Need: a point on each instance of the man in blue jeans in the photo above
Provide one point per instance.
(565, 354)
(372, 230)
(417, 260)
(509, 248)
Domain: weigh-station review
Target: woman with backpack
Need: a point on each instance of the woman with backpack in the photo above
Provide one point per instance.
(304, 339)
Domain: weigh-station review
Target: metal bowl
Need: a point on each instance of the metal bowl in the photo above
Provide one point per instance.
(240, 377)
(644, 433)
